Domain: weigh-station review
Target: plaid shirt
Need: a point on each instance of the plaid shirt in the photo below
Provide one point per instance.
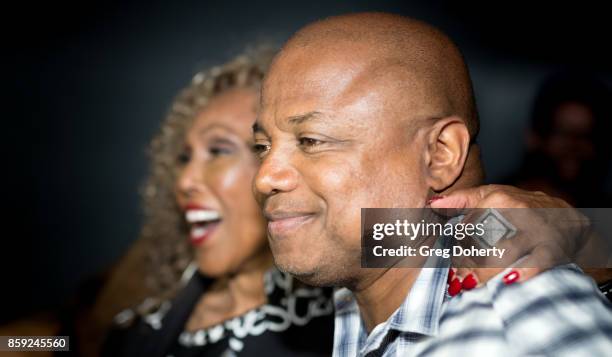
(557, 313)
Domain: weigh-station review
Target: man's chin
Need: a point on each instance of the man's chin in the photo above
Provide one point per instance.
(310, 275)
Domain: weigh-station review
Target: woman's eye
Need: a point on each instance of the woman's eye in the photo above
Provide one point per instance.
(219, 150)
(309, 142)
(183, 158)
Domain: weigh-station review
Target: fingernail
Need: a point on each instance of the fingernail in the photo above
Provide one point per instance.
(434, 198)
(451, 275)
(511, 277)
(469, 282)
(454, 287)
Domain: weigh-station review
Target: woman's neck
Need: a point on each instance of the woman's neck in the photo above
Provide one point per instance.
(233, 294)
(247, 284)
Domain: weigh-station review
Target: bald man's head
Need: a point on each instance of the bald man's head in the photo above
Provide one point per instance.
(362, 110)
(397, 47)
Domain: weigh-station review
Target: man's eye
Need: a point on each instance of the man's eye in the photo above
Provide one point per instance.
(309, 142)
(260, 149)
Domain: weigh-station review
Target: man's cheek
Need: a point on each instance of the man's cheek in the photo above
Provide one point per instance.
(340, 184)
(343, 222)
(334, 178)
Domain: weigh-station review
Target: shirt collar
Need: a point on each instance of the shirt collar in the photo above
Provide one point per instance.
(422, 308)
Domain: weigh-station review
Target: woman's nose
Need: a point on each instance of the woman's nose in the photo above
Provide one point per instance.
(190, 180)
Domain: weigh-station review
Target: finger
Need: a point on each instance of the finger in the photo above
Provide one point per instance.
(452, 273)
(458, 201)
(470, 240)
(480, 275)
(454, 287)
(513, 249)
(541, 259)
(468, 279)
(461, 273)
(519, 275)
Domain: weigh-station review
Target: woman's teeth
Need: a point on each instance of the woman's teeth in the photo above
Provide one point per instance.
(197, 232)
(201, 216)
(202, 222)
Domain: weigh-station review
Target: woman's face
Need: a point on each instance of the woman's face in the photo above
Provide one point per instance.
(227, 228)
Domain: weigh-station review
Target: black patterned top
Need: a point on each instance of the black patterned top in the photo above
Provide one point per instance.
(297, 320)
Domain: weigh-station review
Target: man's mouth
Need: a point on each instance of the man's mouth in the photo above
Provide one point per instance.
(283, 223)
(203, 223)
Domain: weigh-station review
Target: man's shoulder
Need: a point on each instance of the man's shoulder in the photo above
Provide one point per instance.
(561, 285)
(557, 312)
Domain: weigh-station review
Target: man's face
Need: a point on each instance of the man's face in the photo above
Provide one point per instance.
(331, 141)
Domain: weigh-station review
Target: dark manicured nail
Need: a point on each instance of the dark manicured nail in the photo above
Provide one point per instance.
(451, 275)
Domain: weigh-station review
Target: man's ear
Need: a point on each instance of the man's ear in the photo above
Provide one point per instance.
(448, 143)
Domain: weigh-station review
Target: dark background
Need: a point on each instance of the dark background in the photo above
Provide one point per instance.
(86, 85)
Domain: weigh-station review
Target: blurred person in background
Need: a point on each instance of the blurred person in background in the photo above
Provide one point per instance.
(568, 149)
(218, 292)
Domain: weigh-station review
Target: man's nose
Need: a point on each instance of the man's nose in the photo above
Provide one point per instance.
(275, 174)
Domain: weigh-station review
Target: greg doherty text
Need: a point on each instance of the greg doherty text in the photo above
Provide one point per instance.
(426, 251)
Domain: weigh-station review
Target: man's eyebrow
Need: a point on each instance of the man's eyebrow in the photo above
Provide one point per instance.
(294, 120)
(299, 119)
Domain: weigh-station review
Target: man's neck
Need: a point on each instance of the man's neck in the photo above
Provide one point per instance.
(384, 294)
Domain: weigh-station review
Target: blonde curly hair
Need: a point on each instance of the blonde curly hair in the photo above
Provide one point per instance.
(164, 229)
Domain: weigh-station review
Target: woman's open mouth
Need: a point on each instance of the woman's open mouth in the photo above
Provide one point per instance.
(203, 222)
